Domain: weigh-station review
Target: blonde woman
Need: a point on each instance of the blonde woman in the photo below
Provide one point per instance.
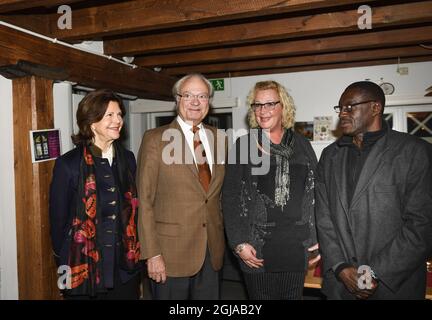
(269, 218)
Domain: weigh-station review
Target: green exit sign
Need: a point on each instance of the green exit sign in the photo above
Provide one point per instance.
(218, 84)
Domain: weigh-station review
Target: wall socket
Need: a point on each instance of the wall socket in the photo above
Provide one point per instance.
(402, 71)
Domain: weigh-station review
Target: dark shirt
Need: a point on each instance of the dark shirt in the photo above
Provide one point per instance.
(357, 156)
(107, 182)
(283, 250)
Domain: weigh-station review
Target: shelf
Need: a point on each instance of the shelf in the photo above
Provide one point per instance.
(311, 281)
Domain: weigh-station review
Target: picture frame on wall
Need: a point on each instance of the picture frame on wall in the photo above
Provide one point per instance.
(322, 128)
(45, 144)
(305, 128)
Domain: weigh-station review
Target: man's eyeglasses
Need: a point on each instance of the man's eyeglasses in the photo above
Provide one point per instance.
(264, 106)
(190, 97)
(351, 107)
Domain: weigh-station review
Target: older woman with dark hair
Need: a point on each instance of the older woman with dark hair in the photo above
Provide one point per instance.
(93, 206)
(269, 213)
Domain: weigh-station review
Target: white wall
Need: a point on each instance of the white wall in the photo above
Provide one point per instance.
(137, 126)
(316, 92)
(8, 246)
(76, 99)
(62, 93)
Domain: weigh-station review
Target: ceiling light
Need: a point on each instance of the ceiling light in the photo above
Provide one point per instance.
(128, 59)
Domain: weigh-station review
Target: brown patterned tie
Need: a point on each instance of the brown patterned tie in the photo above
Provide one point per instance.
(204, 173)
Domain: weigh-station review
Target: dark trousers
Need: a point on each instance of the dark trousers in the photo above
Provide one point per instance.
(121, 291)
(202, 286)
(275, 285)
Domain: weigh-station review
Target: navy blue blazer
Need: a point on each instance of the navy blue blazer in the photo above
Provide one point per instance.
(63, 200)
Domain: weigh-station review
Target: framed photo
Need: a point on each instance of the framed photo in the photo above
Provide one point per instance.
(322, 128)
(305, 128)
(45, 144)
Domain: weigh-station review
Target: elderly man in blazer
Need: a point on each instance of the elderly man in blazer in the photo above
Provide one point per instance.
(374, 204)
(180, 175)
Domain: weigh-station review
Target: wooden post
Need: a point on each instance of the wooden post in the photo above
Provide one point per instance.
(33, 110)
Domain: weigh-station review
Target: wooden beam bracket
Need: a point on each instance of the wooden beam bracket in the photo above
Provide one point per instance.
(25, 68)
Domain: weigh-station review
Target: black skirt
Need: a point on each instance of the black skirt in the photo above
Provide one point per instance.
(275, 285)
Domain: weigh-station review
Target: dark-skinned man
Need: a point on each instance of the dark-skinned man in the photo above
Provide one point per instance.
(374, 204)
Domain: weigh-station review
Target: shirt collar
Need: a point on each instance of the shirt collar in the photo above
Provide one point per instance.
(369, 138)
(186, 127)
(109, 153)
(97, 152)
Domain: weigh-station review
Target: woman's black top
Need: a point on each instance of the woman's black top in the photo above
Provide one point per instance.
(283, 249)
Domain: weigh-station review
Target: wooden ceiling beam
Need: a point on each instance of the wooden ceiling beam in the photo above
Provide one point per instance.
(315, 59)
(14, 5)
(316, 67)
(81, 67)
(387, 38)
(36, 23)
(144, 15)
(40, 22)
(276, 29)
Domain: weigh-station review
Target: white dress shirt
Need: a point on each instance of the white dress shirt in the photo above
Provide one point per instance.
(189, 135)
(108, 154)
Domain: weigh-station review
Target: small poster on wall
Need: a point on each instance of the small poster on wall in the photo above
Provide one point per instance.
(45, 144)
(322, 128)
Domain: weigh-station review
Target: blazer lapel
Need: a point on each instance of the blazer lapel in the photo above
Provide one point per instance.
(213, 141)
(187, 156)
(371, 166)
(339, 163)
(211, 138)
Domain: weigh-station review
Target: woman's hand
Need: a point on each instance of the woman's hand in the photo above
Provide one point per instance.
(248, 255)
(314, 255)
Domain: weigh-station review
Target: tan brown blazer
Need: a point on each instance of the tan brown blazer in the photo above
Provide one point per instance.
(177, 218)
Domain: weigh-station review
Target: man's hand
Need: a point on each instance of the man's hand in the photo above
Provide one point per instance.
(156, 269)
(314, 255)
(349, 277)
(248, 255)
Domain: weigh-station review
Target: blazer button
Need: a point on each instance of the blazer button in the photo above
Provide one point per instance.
(112, 189)
(107, 176)
(113, 203)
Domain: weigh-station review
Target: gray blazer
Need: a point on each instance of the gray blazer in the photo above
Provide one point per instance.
(388, 224)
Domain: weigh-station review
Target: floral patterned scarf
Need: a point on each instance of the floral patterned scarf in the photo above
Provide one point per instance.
(85, 258)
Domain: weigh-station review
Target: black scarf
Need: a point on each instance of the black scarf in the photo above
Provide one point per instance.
(85, 258)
